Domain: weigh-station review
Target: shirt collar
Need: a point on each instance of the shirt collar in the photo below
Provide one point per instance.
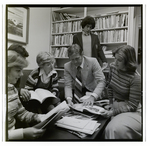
(85, 34)
(82, 63)
(42, 72)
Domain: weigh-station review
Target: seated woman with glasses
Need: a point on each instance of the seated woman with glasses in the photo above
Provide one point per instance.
(45, 77)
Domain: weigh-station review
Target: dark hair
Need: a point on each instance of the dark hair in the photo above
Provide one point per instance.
(88, 20)
(19, 49)
(74, 49)
(129, 56)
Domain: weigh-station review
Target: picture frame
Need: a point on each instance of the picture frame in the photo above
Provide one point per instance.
(17, 24)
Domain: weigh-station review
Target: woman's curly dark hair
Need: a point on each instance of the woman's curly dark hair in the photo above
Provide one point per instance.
(88, 20)
(129, 56)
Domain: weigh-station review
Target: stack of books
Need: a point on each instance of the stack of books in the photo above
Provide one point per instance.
(108, 53)
(56, 16)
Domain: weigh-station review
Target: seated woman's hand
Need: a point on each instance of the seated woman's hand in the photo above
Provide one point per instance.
(107, 113)
(32, 133)
(41, 117)
(26, 95)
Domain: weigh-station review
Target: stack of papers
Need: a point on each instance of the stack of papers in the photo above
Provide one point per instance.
(87, 126)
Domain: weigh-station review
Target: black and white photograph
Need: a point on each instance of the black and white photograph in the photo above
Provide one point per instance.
(74, 73)
(17, 24)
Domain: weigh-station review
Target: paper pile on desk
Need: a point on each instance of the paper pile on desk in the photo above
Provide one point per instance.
(87, 126)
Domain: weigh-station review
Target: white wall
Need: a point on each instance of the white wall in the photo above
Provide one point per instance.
(38, 33)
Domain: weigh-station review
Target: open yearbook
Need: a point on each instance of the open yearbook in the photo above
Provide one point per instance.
(52, 116)
(91, 109)
(42, 95)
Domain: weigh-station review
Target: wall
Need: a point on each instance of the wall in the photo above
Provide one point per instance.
(39, 33)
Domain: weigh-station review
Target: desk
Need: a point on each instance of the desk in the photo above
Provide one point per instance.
(60, 134)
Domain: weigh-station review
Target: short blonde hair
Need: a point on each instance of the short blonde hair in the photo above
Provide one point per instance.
(44, 57)
(15, 59)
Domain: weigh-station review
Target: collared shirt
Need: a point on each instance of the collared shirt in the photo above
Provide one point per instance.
(45, 78)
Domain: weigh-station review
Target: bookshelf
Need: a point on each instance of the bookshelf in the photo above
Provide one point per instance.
(112, 28)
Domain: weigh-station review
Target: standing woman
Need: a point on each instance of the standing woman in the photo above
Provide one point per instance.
(125, 95)
(15, 110)
(89, 42)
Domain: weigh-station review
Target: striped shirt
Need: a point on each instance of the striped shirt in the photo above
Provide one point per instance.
(16, 110)
(125, 89)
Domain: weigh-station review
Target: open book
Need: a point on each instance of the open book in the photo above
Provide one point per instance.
(42, 95)
(52, 116)
(91, 109)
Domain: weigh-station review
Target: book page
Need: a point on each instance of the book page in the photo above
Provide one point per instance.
(73, 122)
(35, 96)
(92, 109)
(43, 93)
(61, 106)
(90, 127)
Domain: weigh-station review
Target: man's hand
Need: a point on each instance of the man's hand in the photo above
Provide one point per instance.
(70, 102)
(89, 101)
(26, 95)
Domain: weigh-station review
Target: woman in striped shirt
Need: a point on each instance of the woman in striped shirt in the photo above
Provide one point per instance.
(124, 90)
(15, 110)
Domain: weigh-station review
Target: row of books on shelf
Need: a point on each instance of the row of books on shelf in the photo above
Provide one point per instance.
(60, 52)
(70, 26)
(65, 39)
(113, 36)
(57, 16)
(111, 21)
(104, 37)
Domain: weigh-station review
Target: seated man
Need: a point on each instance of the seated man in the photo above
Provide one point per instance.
(82, 74)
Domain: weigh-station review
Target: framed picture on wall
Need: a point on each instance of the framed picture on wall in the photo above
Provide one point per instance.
(17, 24)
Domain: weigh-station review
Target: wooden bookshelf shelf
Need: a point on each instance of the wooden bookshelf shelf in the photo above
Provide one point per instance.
(113, 43)
(112, 28)
(60, 45)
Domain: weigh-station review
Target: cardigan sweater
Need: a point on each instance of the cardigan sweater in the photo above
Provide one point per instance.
(124, 89)
(34, 78)
(16, 110)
